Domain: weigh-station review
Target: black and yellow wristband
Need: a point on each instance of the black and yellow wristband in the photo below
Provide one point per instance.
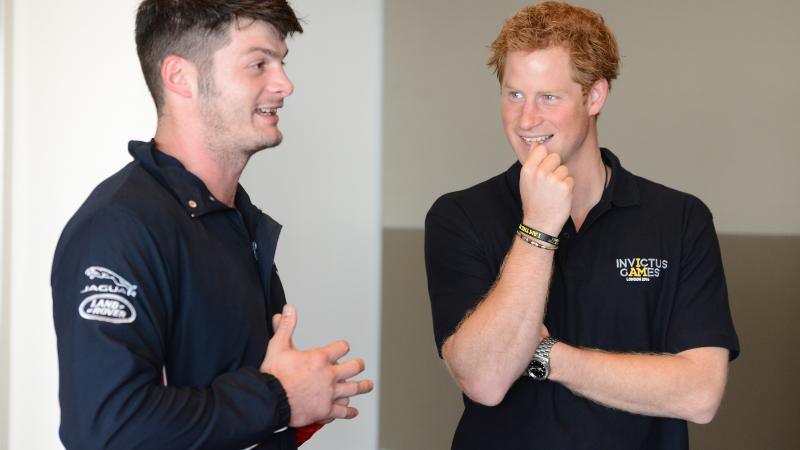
(536, 234)
(532, 241)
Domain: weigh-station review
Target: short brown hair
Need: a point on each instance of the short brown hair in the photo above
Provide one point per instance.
(195, 29)
(591, 44)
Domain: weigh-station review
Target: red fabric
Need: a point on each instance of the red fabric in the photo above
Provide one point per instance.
(304, 433)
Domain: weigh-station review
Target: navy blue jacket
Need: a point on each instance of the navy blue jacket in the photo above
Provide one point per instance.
(162, 298)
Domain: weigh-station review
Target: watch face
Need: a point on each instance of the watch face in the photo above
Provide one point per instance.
(537, 370)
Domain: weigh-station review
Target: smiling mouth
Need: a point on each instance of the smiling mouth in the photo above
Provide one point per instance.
(536, 140)
(267, 111)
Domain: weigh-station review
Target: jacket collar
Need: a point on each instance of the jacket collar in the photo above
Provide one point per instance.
(196, 199)
(188, 189)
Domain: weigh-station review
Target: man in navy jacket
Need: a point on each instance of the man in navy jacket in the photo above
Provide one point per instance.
(172, 325)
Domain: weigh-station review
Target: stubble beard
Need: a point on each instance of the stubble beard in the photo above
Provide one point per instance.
(226, 148)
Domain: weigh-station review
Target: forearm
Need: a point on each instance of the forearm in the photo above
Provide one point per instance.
(688, 385)
(492, 346)
(239, 409)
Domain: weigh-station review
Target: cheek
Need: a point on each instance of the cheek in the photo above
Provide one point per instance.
(508, 113)
(240, 87)
(565, 118)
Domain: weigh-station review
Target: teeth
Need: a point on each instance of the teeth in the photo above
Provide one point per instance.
(538, 140)
(268, 111)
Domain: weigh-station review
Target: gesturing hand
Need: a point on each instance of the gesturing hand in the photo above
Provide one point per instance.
(316, 384)
(546, 190)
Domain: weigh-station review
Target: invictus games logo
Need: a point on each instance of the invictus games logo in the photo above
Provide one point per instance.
(107, 302)
(641, 269)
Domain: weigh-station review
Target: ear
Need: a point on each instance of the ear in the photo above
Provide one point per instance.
(597, 96)
(179, 77)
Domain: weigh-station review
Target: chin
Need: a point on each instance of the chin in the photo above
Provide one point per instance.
(522, 154)
(273, 142)
(263, 143)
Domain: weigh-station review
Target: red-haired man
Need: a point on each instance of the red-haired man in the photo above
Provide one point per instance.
(576, 305)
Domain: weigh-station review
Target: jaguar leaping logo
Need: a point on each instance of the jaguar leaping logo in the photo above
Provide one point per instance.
(121, 285)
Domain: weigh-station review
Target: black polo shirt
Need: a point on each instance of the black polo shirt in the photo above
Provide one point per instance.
(644, 274)
(162, 298)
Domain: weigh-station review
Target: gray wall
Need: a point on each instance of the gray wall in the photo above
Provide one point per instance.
(706, 103)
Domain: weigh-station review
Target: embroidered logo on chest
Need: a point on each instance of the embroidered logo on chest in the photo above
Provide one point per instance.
(641, 269)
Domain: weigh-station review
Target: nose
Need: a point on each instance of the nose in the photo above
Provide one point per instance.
(280, 83)
(530, 116)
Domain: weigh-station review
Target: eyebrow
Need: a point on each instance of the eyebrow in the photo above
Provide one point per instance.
(540, 92)
(505, 85)
(267, 51)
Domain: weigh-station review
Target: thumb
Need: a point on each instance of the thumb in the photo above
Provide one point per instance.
(536, 155)
(276, 320)
(285, 328)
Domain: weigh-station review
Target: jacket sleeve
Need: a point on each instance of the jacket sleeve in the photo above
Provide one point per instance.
(112, 300)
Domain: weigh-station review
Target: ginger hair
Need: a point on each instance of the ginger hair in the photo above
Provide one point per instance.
(593, 49)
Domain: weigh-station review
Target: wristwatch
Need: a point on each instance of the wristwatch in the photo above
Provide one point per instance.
(539, 367)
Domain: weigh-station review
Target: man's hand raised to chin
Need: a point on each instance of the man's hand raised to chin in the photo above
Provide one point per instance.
(546, 191)
(316, 384)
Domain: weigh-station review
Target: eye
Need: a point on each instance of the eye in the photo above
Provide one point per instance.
(515, 95)
(258, 65)
(549, 97)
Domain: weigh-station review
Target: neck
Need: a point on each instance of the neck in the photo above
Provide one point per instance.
(219, 173)
(589, 172)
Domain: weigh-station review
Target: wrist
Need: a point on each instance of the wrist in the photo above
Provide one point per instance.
(559, 367)
(283, 410)
(539, 367)
(546, 226)
(535, 242)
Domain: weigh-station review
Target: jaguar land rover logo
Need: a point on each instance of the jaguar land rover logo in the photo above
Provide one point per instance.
(107, 301)
(641, 269)
(120, 285)
(111, 308)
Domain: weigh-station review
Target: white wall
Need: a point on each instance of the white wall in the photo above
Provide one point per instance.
(78, 97)
(323, 184)
(4, 136)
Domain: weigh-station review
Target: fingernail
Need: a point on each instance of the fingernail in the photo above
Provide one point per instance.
(288, 310)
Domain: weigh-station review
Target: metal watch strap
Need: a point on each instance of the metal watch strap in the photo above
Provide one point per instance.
(539, 367)
(543, 350)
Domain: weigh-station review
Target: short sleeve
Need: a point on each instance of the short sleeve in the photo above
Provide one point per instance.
(701, 315)
(459, 275)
